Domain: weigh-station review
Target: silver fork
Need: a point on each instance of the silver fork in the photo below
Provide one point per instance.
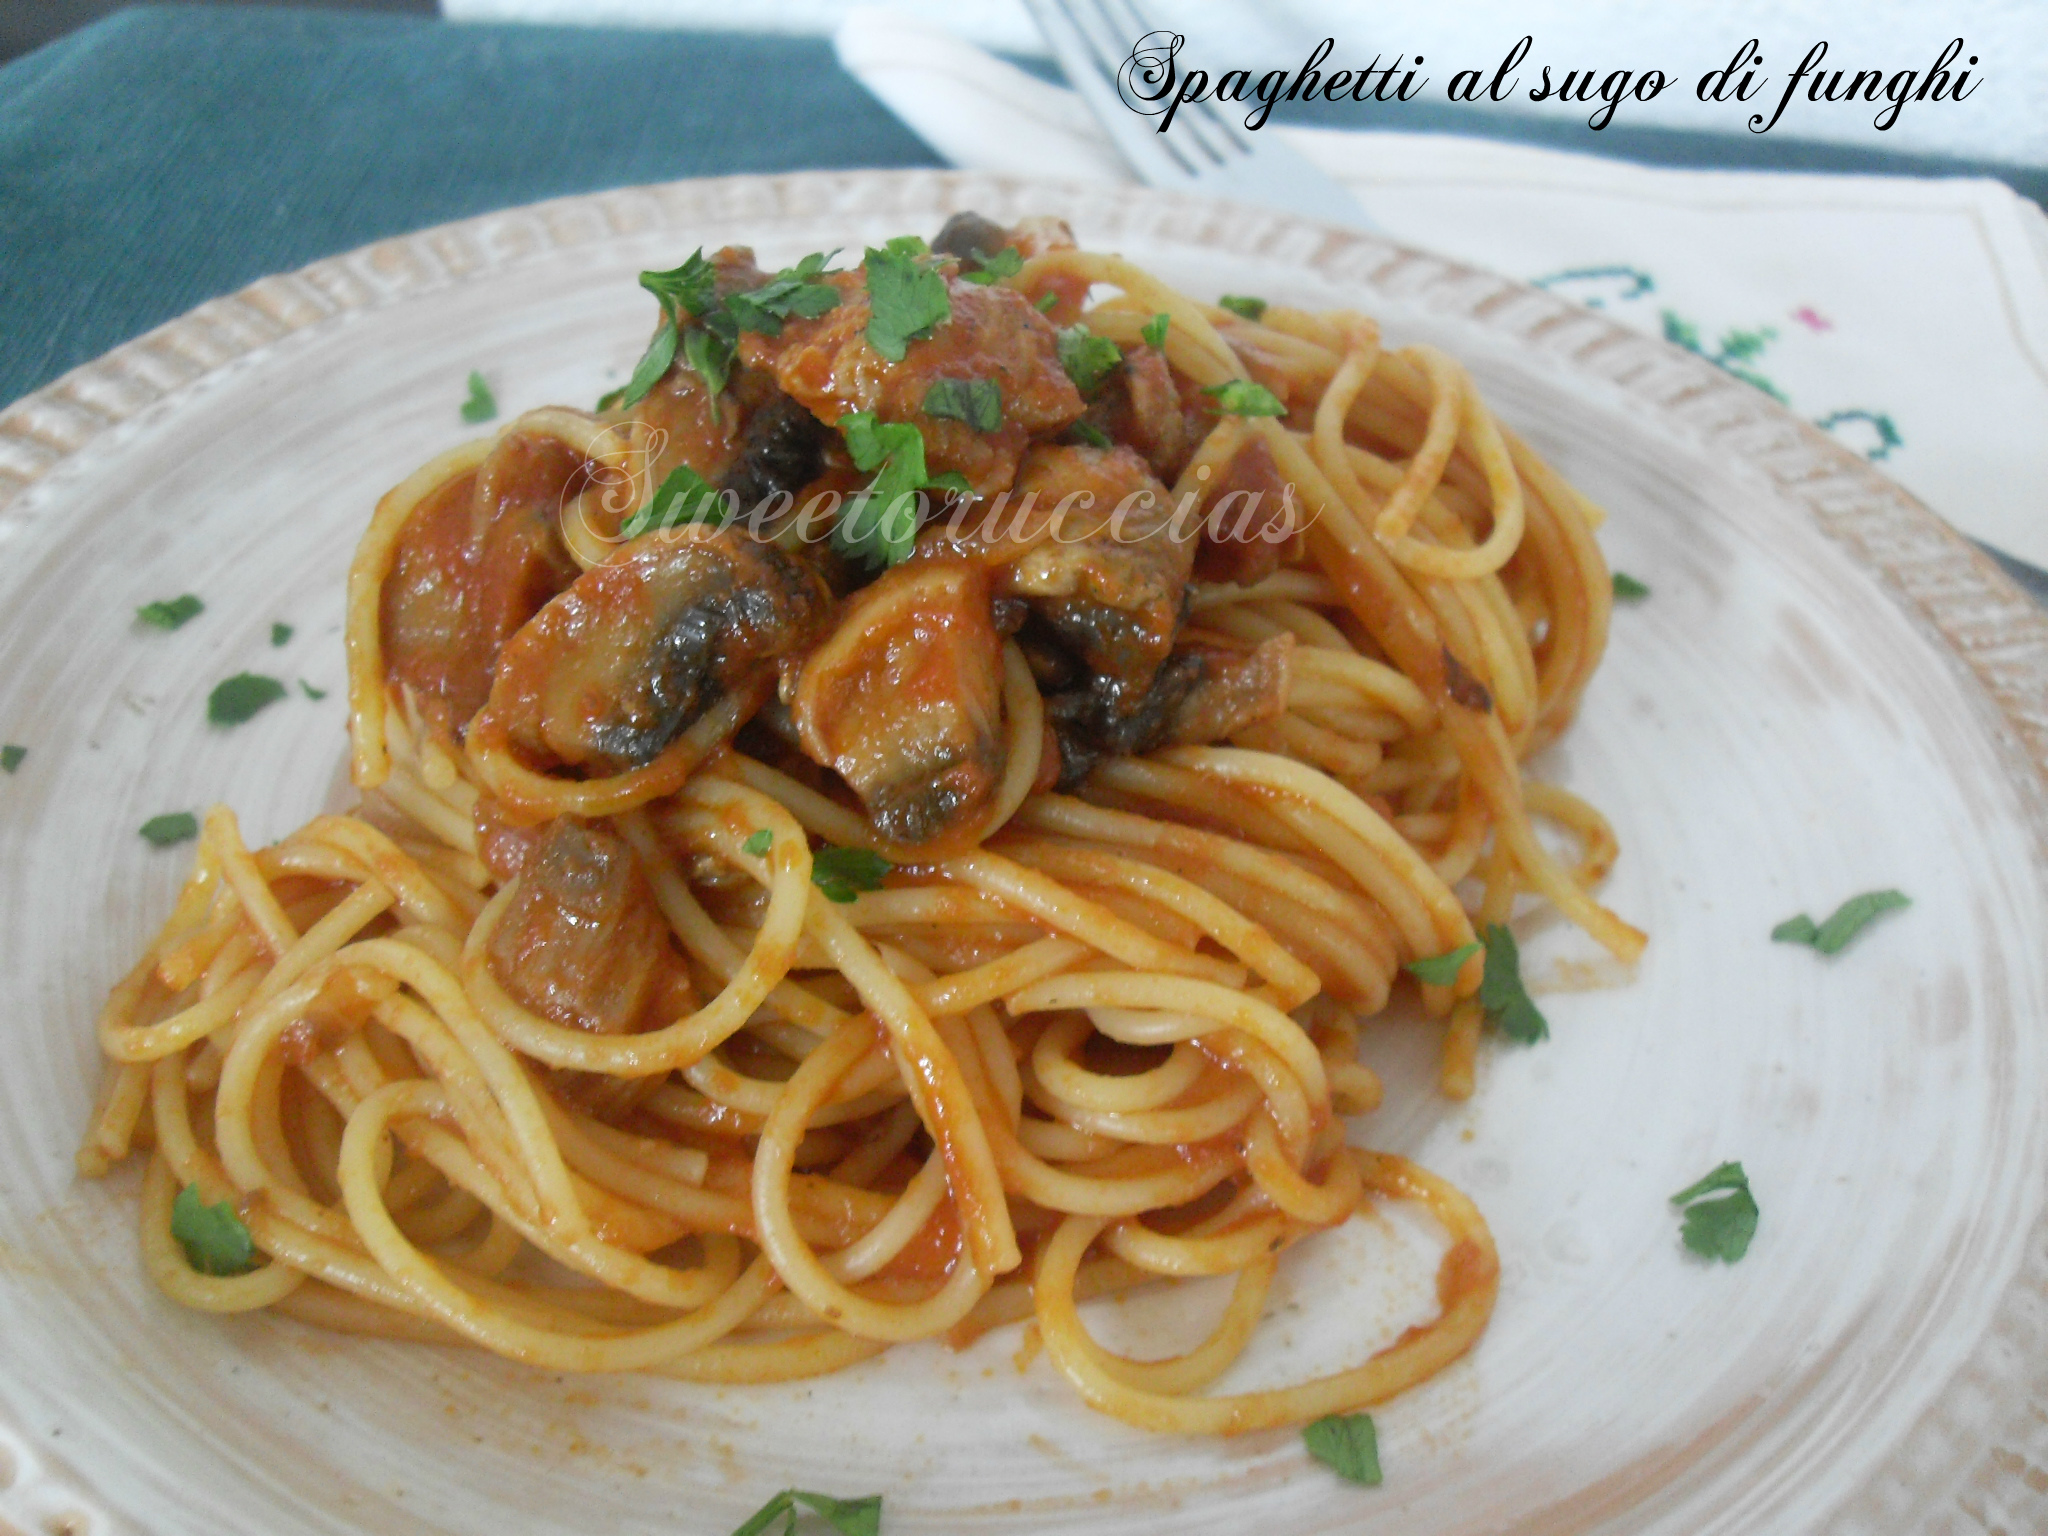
(1205, 150)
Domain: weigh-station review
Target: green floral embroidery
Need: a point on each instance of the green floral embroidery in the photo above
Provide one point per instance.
(1887, 433)
(1733, 354)
(1632, 283)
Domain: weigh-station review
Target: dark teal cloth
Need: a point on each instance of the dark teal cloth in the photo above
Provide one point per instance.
(172, 153)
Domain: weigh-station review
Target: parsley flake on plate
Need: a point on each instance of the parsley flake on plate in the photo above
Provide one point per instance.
(1091, 434)
(1627, 589)
(280, 634)
(11, 756)
(237, 698)
(169, 613)
(1242, 397)
(906, 297)
(1348, 1444)
(843, 873)
(759, 843)
(213, 1237)
(1501, 993)
(1442, 970)
(684, 496)
(310, 691)
(1244, 306)
(1044, 302)
(849, 1517)
(1007, 262)
(169, 828)
(1720, 1227)
(1154, 330)
(1847, 920)
(1087, 357)
(978, 402)
(880, 524)
(481, 405)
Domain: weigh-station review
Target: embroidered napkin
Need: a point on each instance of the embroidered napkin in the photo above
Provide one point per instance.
(1907, 317)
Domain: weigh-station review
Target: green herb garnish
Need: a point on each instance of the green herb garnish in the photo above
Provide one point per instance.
(849, 1517)
(880, 524)
(1007, 262)
(1242, 397)
(843, 873)
(1501, 993)
(1847, 920)
(1722, 1227)
(1092, 435)
(1348, 1445)
(171, 613)
(1442, 970)
(1087, 357)
(906, 298)
(1242, 305)
(708, 351)
(1045, 301)
(11, 756)
(648, 371)
(310, 691)
(978, 402)
(1628, 589)
(759, 843)
(213, 1237)
(240, 696)
(792, 291)
(1154, 330)
(481, 405)
(689, 289)
(684, 496)
(172, 827)
(280, 634)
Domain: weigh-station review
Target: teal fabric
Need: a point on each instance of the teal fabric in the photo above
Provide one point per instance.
(173, 153)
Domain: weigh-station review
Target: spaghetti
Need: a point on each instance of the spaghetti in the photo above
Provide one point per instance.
(1097, 1024)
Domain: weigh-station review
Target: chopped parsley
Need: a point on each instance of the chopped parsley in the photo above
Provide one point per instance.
(213, 1237)
(1847, 920)
(648, 371)
(1092, 435)
(978, 402)
(280, 634)
(1719, 1228)
(759, 843)
(1087, 357)
(708, 352)
(310, 691)
(1442, 970)
(1628, 589)
(1348, 1444)
(1154, 330)
(1242, 305)
(237, 698)
(1501, 993)
(906, 297)
(1242, 397)
(880, 524)
(849, 1517)
(172, 827)
(481, 405)
(1007, 262)
(792, 291)
(1045, 301)
(690, 289)
(843, 873)
(684, 496)
(170, 613)
(11, 756)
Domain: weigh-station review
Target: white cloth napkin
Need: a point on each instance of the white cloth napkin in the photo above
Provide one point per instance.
(1908, 317)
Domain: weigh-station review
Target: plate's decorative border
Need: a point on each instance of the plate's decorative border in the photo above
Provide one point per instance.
(1977, 1461)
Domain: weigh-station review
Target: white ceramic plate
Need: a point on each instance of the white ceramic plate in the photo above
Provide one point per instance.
(1827, 692)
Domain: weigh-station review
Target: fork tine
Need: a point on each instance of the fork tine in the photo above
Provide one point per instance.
(1094, 79)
